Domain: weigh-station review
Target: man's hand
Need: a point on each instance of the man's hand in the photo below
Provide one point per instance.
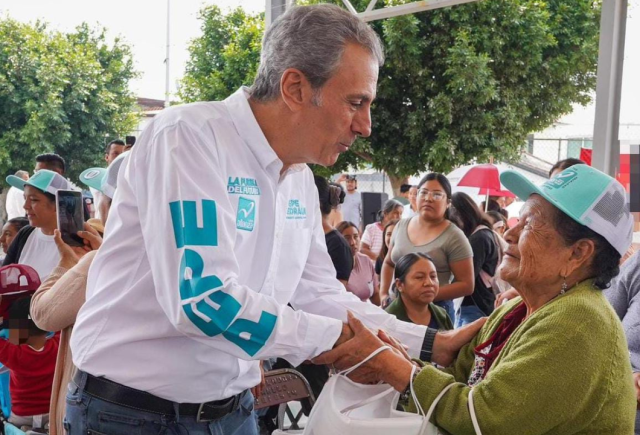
(447, 344)
(388, 366)
(636, 383)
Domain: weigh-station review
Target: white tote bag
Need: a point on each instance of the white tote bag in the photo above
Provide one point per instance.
(345, 407)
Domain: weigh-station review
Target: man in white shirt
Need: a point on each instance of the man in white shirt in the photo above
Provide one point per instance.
(113, 150)
(352, 205)
(215, 228)
(15, 198)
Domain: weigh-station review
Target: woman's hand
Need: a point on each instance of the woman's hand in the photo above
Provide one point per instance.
(447, 344)
(506, 296)
(71, 255)
(91, 237)
(392, 367)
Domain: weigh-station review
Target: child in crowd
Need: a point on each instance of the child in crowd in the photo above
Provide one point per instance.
(31, 358)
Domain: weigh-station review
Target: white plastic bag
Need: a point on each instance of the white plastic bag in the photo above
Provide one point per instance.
(345, 407)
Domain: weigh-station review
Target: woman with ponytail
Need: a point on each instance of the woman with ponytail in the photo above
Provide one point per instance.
(330, 196)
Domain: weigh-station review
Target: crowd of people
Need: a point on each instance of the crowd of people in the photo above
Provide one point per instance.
(212, 251)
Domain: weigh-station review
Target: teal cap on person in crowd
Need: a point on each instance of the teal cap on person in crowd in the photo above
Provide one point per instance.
(588, 196)
(93, 177)
(104, 180)
(44, 180)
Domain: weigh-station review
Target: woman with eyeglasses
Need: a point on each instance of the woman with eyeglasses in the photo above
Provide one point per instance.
(431, 232)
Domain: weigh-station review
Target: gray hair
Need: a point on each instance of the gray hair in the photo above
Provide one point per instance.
(311, 39)
(22, 174)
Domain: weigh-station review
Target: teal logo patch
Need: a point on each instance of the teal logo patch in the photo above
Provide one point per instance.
(242, 186)
(562, 179)
(295, 210)
(245, 220)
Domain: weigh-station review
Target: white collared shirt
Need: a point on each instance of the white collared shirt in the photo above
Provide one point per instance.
(206, 245)
(15, 203)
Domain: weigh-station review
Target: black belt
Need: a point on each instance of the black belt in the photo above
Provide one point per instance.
(113, 392)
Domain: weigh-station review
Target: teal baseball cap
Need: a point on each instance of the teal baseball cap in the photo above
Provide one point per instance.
(588, 196)
(44, 180)
(104, 180)
(93, 177)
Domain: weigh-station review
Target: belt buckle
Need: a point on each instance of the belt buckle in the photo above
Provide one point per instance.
(200, 412)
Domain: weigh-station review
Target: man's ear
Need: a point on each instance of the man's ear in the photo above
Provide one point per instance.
(295, 89)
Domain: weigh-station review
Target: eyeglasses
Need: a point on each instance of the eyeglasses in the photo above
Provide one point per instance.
(435, 195)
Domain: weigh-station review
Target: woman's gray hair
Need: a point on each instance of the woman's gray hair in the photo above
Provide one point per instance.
(312, 40)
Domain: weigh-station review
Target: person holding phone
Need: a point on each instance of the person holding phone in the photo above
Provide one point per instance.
(34, 244)
(55, 305)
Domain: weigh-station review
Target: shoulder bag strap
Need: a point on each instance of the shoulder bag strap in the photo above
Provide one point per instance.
(472, 411)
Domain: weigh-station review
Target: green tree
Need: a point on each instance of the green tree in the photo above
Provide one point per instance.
(225, 57)
(460, 83)
(61, 93)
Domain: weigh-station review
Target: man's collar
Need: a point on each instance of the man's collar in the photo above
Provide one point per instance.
(249, 130)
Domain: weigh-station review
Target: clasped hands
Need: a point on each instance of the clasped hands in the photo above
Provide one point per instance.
(394, 366)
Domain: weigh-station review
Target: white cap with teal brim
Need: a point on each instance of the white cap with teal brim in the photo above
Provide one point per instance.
(104, 179)
(44, 180)
(588, 196)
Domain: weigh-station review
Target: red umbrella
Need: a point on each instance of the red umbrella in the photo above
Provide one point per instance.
(485, 176)
(491, 192)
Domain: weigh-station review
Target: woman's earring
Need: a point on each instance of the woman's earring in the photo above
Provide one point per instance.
(563, 290)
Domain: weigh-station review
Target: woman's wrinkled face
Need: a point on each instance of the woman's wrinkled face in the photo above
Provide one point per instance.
(432, 201)
(353, 238)
(388, 232)
(536, 252)
(421, 284)
(393, 215)
(9, 232)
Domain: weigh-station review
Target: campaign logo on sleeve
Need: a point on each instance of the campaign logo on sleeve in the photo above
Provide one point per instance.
(246, 217)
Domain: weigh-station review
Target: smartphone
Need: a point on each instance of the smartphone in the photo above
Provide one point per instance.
(70, 210)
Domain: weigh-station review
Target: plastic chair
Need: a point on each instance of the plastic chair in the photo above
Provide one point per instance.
(281, 387)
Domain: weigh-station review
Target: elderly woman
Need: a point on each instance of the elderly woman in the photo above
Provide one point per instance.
(554, 360)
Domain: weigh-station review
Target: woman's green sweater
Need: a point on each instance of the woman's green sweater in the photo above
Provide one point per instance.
(564, 370)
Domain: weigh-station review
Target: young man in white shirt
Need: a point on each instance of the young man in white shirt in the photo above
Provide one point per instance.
(15, 198)
(113, 150)
(215, 228)
(352, 205)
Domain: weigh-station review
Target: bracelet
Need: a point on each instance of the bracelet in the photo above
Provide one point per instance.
(406, 394)
(427, 345)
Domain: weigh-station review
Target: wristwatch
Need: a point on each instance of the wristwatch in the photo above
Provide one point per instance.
(427, 345)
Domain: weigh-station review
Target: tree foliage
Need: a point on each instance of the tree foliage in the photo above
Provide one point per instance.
(224, 57)
(61, 93)
(460, 83)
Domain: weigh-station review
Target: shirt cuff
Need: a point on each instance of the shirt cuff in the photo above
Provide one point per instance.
(322, 334)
